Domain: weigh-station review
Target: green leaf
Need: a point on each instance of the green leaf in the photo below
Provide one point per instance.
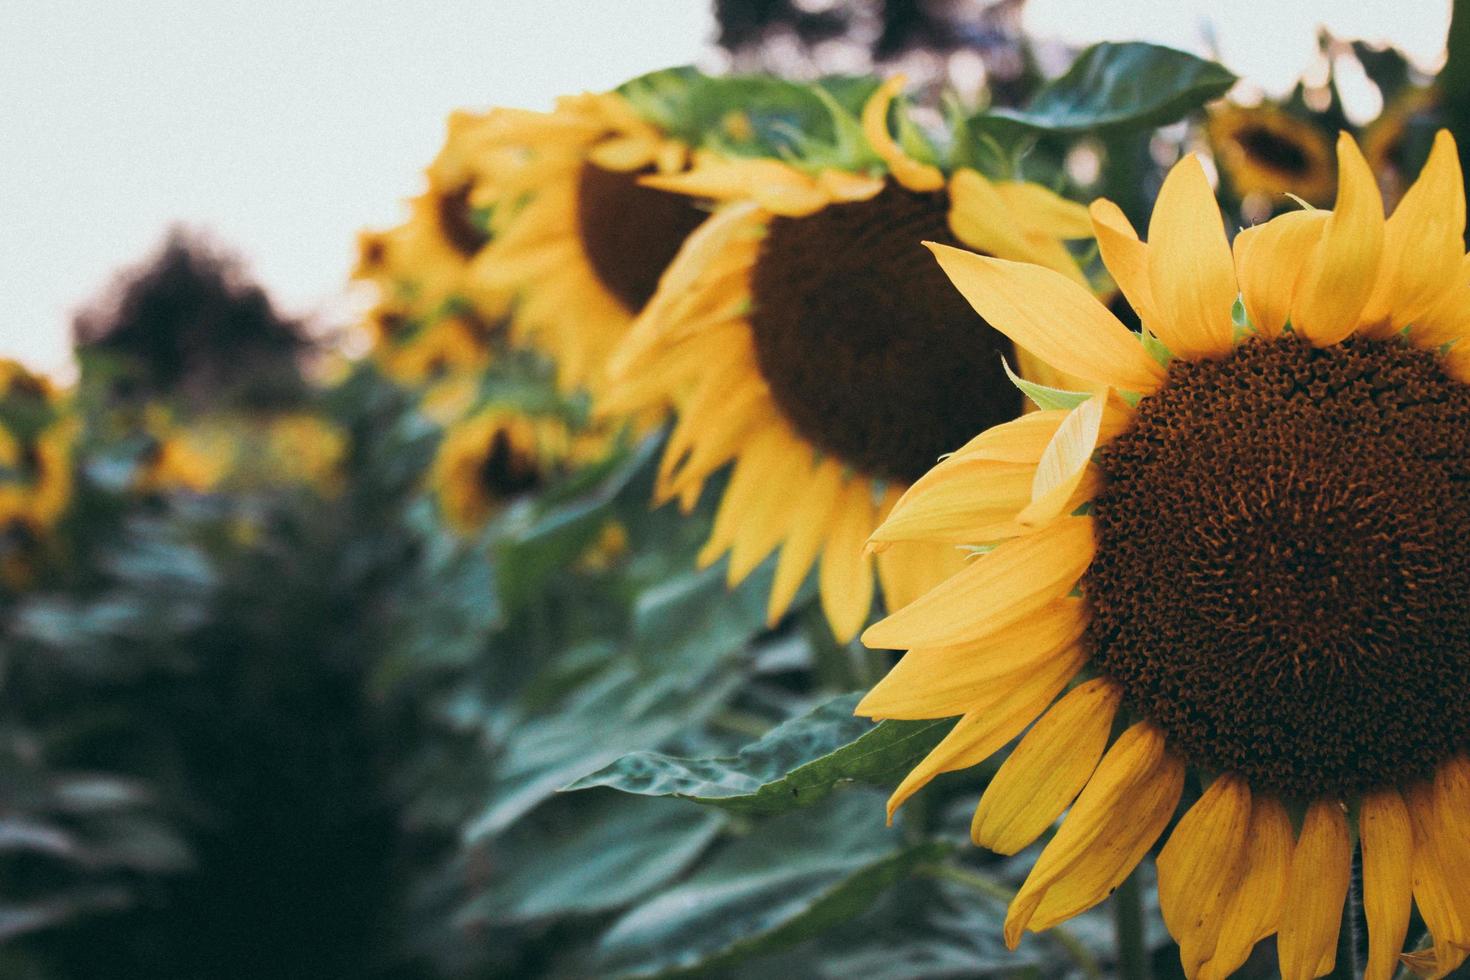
(592, 853)
(794, 765)
(1046, 398)
(792, 878)
(1130, 84)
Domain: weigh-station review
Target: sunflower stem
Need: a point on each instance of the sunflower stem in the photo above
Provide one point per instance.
(1000, 892)
(1347, 967)
(1133, 960)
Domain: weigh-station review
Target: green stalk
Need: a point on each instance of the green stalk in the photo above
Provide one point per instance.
(1133, 959)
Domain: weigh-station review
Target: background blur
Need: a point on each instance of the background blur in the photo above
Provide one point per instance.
(283, 127)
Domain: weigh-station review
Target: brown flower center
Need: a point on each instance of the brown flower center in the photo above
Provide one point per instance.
(869, 350)
(508, 471)
(1281, 566)
(1271, 149)
(457, 223)
(630, 233)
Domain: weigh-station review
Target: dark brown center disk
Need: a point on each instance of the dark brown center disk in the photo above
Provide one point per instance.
(506, 471)
(630, 233)
(1282, 569)
(457, 223)
(869, 350)
(1273, 150)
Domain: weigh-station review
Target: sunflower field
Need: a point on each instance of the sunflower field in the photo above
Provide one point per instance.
(772, 523)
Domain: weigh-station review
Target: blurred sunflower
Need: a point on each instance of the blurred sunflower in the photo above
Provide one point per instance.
(36, 481)
(577, 238)
(1393, 143)
(195, 459)
(427, 261)
(1257, 546)
(492, 457)
(806, 335)
(1266, 150)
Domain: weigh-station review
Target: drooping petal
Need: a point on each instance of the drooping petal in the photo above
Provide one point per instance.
(846, 570)
(906, 170)
(1190, 269)
(948, 681)
(808, 530)
(1056, 319)
(1253, 911)
(1343, 269)
(1316, 890)
(1437, 871)
(1125, 256)
(1269, 260)
(1064, 462)
(1201, 866)
(999, 589)
(980, 218)
(1048, 768)
(1121, 812)
(982, 732)
(1422, 244)
(1388, 888)
(973, 501)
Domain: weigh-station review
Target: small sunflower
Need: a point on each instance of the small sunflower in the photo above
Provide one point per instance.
(36, 478)
(492, 457)
(805, 335)
(1266, 150)
(577, 239)
(188, 458)
(1253, 546)
(429, 260)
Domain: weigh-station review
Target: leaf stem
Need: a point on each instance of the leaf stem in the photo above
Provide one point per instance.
(1346, 967)
(1002, 893)
(1133, 959)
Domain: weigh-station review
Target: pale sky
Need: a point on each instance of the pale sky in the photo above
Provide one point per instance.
(283, 126)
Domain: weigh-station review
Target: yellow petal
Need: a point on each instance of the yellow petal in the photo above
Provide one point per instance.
(999, 589)
(1041, 210)
(1269, 260)
(1201, 866)
(748, 485)
(1388, 887)
(1125, 256)
(846, 572)
(1449, 319)
(907, 171)
(1048, 768)
(842, 186)
(765, 523)
(1054, 318)
(1121, 812)
(1064, 462)
(1438, 874)
(1343, 269)
(946, 681)
(1316, 890)
(908, 569)
(980, 218)
(1190, 269)
(1021, 440)
(1254, 910)
(982, 732)
(972, 501)
(808, 530)
(1422, 244)
(624, 153)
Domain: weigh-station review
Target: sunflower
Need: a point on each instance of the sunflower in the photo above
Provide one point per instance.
(1397, 136)
(1251, 544)
(492, 457)
(576, 238)
(36, 480)
(806, 336)
(1266, 150)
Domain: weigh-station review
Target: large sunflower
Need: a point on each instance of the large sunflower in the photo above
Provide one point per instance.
(578, 241)
(1266, 150)
(1253, 545)
(806, 336)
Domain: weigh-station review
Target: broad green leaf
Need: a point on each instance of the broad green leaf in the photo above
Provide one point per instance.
(796, 764)
(1133, 84)
(790, 879)
(592, 853)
